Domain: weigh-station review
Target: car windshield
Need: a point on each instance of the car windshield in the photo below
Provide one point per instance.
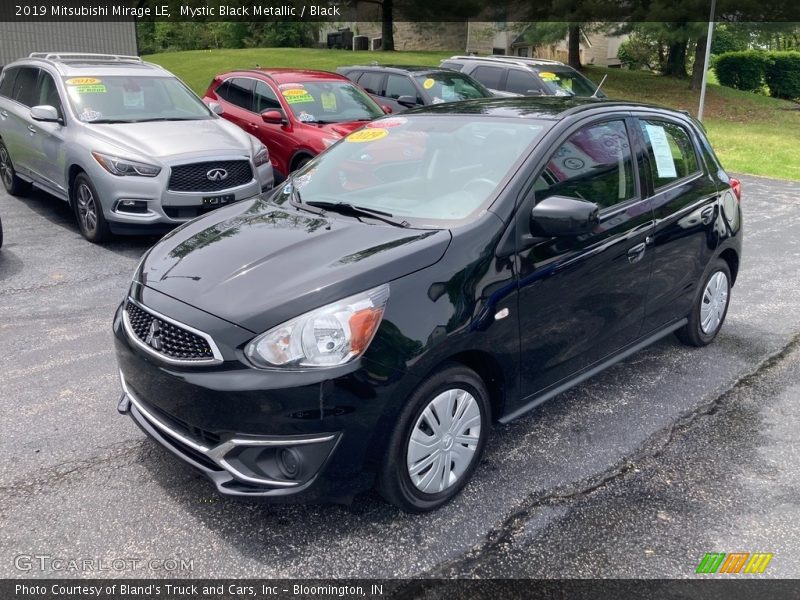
(566, 82)
(451, 87)
(429, 170)
(132, 99)
(329, 102)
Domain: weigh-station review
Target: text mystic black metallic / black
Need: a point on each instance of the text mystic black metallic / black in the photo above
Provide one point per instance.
(429, 274)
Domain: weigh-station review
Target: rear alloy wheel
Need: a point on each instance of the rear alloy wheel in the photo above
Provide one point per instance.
(710, 307)
(438, 441)
(88, 210)
(13, 184)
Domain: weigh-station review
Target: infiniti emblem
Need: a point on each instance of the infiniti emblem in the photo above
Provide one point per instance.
(153, 338)
(217, 175)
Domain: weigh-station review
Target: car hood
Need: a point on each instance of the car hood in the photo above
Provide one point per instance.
(165, 139)
(258, 264)
(336, 129)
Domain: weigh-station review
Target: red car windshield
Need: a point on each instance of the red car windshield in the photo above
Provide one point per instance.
(329, 102)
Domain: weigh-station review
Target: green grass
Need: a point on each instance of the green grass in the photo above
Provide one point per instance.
(751, 133)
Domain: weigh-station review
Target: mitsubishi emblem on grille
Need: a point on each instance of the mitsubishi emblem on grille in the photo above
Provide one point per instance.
(217, 175)
(153, 338)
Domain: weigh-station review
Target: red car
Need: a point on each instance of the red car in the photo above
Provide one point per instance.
(296, 113)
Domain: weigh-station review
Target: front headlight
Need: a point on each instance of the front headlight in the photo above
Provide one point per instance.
(123, 166)
(261, 156)
(326, 337)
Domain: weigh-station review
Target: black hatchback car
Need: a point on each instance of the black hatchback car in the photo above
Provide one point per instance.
(427, 275)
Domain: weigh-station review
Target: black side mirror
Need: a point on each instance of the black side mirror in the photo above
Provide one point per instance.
(563, 216)
(408, 101)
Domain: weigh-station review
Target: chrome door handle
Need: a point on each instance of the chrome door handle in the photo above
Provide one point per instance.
(636, 253)
(31, 128)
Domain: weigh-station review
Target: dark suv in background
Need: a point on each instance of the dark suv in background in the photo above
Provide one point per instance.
(404, 87)
(524, 76)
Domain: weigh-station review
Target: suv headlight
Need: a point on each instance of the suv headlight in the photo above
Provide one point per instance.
(326, 337)
(123, 166)
(261, 156)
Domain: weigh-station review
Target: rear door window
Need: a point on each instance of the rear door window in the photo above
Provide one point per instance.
(25, 91)
(238, 91)
(372, 82)
(671, 150)
(522, 82)
(7, 82)
(491, 77)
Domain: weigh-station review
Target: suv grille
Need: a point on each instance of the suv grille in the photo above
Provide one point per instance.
(194, 178)
(165, 338)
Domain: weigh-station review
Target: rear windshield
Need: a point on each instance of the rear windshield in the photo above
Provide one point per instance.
(132, 99)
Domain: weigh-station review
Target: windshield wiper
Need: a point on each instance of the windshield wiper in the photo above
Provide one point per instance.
(345, 208)
(163, 119)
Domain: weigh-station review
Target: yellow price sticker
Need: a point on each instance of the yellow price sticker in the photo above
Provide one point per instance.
(428, 83)
(367, 135)
(82, 81)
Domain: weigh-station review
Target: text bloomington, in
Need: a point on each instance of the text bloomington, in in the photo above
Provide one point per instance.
(164, 11)
(193, 590)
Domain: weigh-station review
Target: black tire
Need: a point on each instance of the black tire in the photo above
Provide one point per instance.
(694, 333)
(394, 480)
(300, 163)
(1, 234)
(11, 182)
(89, 210)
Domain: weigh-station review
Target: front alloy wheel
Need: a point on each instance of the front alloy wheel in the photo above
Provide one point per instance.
(438, 440)
(88, 210)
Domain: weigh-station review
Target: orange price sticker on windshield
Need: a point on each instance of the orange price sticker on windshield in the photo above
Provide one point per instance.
(367, 135)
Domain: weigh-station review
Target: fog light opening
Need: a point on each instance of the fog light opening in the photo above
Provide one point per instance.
(132, 206)
(290, 462)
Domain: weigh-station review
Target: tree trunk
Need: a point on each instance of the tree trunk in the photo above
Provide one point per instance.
(574, 44)
(676, 60)
(387, 28)
(699, 64)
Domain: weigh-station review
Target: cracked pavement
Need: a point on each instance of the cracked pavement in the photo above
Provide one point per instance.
(636, 473)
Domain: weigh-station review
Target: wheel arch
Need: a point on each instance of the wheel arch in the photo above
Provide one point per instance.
(730, 256)
(297, 157)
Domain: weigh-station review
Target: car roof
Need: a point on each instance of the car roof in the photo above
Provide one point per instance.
(415, 69)
(281, 75)
(80, 64)
(552, 108)
(504, 59)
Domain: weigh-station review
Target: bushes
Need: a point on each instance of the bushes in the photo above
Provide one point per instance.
(750, 70)
(783, 75)
(742, 70)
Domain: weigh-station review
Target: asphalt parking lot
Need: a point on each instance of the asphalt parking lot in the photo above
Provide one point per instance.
(639, 472)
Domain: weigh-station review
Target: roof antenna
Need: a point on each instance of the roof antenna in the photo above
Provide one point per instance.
(599, 86)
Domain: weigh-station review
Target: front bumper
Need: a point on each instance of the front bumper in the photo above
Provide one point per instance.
(239, 425)
(163, 206)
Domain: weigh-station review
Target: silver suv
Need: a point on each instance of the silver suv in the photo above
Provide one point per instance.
(125, 142)
(524, 76)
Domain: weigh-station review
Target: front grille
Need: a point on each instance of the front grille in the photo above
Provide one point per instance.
(194, 177)
(165, 338)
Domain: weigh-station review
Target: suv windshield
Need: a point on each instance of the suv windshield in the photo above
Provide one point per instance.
(451, 87)
(329, 102)
(566, 82)
(428, 170)
(131, 99)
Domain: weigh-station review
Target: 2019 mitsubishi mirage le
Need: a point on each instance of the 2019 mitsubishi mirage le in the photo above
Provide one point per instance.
(125, 142)
(431, 273)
